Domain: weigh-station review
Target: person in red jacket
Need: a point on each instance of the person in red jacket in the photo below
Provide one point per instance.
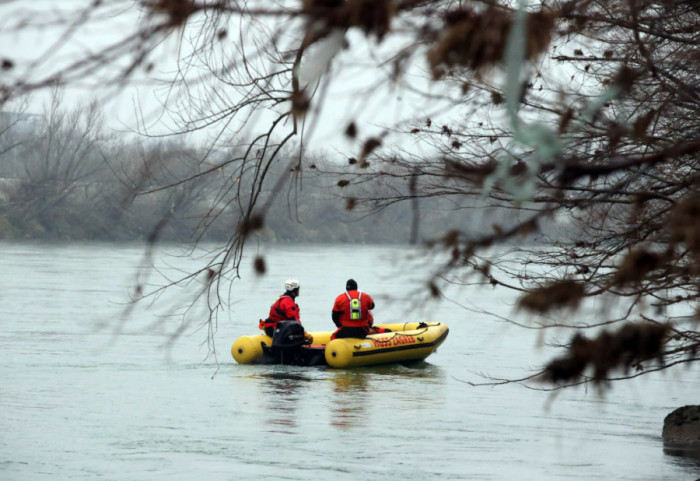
(284, 308)
(351, 312)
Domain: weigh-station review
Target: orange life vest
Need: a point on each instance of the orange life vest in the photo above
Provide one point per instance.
(283, 309)
(355, 306)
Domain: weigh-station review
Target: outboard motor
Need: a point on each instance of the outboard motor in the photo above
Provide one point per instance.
(286, 342)
(286, 348)
(288, 335)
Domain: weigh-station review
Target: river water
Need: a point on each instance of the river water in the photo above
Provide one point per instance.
(89, 392)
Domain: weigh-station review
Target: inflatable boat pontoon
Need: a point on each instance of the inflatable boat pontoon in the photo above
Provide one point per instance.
(405, 342)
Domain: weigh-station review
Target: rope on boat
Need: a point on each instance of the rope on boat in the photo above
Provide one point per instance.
(425, 329)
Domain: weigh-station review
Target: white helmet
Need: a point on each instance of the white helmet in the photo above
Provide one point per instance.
(291, 284)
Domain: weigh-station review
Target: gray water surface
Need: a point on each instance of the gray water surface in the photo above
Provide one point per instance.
(84, 395)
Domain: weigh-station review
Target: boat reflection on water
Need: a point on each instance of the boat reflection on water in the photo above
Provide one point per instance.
(282, 391)
(291, 397)
(349, 400)
(351, 388)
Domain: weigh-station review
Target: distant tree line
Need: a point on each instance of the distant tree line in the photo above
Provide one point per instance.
(65, 176)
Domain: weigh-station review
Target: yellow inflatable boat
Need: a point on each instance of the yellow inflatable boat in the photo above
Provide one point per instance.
(405, 342)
